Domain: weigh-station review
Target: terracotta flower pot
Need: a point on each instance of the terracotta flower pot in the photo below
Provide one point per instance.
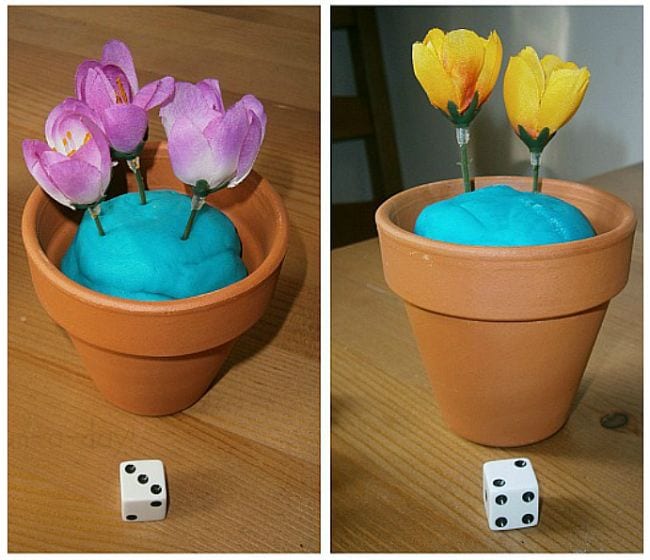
(158, 358)
(505, 333)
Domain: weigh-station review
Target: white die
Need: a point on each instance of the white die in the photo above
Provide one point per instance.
(143, 490)
(510, 494)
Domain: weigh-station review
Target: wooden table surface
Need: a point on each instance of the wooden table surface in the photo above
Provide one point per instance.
(402, 482)
(243, 463)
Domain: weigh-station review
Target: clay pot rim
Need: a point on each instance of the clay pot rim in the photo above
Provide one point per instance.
(31, 217)
(384, 219)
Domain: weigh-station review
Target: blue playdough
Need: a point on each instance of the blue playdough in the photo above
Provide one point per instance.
(142, 256)
(501, 216)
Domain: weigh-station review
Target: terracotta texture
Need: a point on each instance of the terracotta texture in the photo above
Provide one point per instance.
(158, 358)
(505, 333)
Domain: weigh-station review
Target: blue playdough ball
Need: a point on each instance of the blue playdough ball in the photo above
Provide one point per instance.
(142, 256)
(501, 216)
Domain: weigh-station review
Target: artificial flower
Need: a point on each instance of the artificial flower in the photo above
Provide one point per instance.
(542, 94)
(110, 88)
(207, 143)
(74, 166)
(457, 70)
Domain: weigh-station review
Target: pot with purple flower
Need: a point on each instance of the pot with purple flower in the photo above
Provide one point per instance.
(152, 312)
(110, 88)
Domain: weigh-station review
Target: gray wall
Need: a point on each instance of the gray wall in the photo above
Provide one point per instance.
(350, 174)
(606, 133)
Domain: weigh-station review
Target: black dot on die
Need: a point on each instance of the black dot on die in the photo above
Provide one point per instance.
(130, 469)
(156, 489)
(527, 519)
(528, 497)
(131, 517)
(501, 522)
(499, 482)
(501, 499)
(143, 478)
(520, 463)
(155, 504)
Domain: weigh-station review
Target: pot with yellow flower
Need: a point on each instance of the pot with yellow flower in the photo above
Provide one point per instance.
(505, 286)
(153, 287)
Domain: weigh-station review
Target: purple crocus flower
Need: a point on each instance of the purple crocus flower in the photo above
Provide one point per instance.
(74, 167)
(110, 88)
(208, 143)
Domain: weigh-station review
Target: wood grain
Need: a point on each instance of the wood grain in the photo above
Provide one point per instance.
(243, 463)
(401, 482)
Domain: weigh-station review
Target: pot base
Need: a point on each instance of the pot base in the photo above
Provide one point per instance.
(152, 386)
(505, 384)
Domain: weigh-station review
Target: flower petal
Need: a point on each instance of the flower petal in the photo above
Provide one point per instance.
(565, 90)
(33, 152)
(125, 126)
(463, 53)
(117, 53)
(79, 181)
(254, 105)
(211, 92)
(550, 62)
(188, 101)
(91, 154)
(432, 76)
(189, 152)
(491, 67)
(435, 37)
(98, 91)
(119, 82)
(48, 158)
(59, 121)
(226, 135)
(73, 130)
(96, 151)
(521, 95)
(80, 75)
(155, 93)
(529, 56)
(249, 150)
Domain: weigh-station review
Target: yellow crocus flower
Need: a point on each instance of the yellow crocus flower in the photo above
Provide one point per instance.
(457, 66)
(542, 94)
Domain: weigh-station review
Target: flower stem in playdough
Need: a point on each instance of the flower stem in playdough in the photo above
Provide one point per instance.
(197, 204)
(462, 137)
(142, 256)
(134, 165)
(535, 158)
(500, 216)
(94, 214)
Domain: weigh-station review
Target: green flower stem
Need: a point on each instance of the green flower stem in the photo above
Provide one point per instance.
(535, 158)
(188, 226)
(134, 165)
(94, 214)
(462, 137)
(197, 204)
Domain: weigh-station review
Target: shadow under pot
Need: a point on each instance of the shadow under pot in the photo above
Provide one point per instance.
(505, 333)
(157, 358)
